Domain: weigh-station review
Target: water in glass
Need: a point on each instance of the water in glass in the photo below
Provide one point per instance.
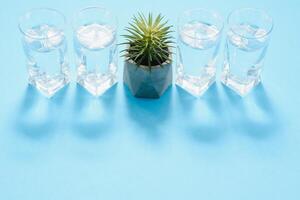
(96, 50)
(244, 57)
(45, 47)
(198, 46)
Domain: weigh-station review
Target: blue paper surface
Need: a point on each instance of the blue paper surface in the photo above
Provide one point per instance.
(114, 147)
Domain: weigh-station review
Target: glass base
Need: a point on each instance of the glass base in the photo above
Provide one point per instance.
(49, 86)
(196, 86)
(242, 88)
(97, 84)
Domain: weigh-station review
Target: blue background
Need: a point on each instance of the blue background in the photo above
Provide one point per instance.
(220, 146)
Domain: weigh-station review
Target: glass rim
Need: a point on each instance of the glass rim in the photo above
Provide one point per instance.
(61, 29)
(212, 12)
(75, 16)
(255, 10)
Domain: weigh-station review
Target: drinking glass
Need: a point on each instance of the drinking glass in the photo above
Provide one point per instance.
(199, 36)
(96, 49)
(45, 47)
(246, 46)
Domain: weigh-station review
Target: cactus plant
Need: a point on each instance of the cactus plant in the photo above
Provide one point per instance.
(148, 40)
(148, 64)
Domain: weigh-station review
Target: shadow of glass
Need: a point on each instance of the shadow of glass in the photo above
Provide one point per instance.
(29, 98)
(186, 100)
(60, 96)
(234, 99)
(93, 117)
(258, 122)
(213, 99)
(201, 124)
(149, 114)
(270, 124)
(259, 130)
(83, 97)
(91, 130)
(263, 100)
(209, 133)
(31, 123)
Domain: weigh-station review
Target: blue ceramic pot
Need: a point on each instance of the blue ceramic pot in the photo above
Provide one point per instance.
(144, 82)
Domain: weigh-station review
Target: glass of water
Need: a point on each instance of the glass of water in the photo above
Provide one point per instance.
(246, 46)
(199, 36)
(96, 49)
(45, 47)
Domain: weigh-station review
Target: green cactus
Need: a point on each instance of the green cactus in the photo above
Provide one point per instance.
(148, 41)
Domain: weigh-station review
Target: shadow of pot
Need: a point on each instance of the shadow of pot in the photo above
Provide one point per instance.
(146, 83)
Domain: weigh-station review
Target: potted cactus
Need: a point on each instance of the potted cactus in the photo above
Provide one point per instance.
(148, 56)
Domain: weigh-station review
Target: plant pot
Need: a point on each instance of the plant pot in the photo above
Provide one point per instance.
(147, 83)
